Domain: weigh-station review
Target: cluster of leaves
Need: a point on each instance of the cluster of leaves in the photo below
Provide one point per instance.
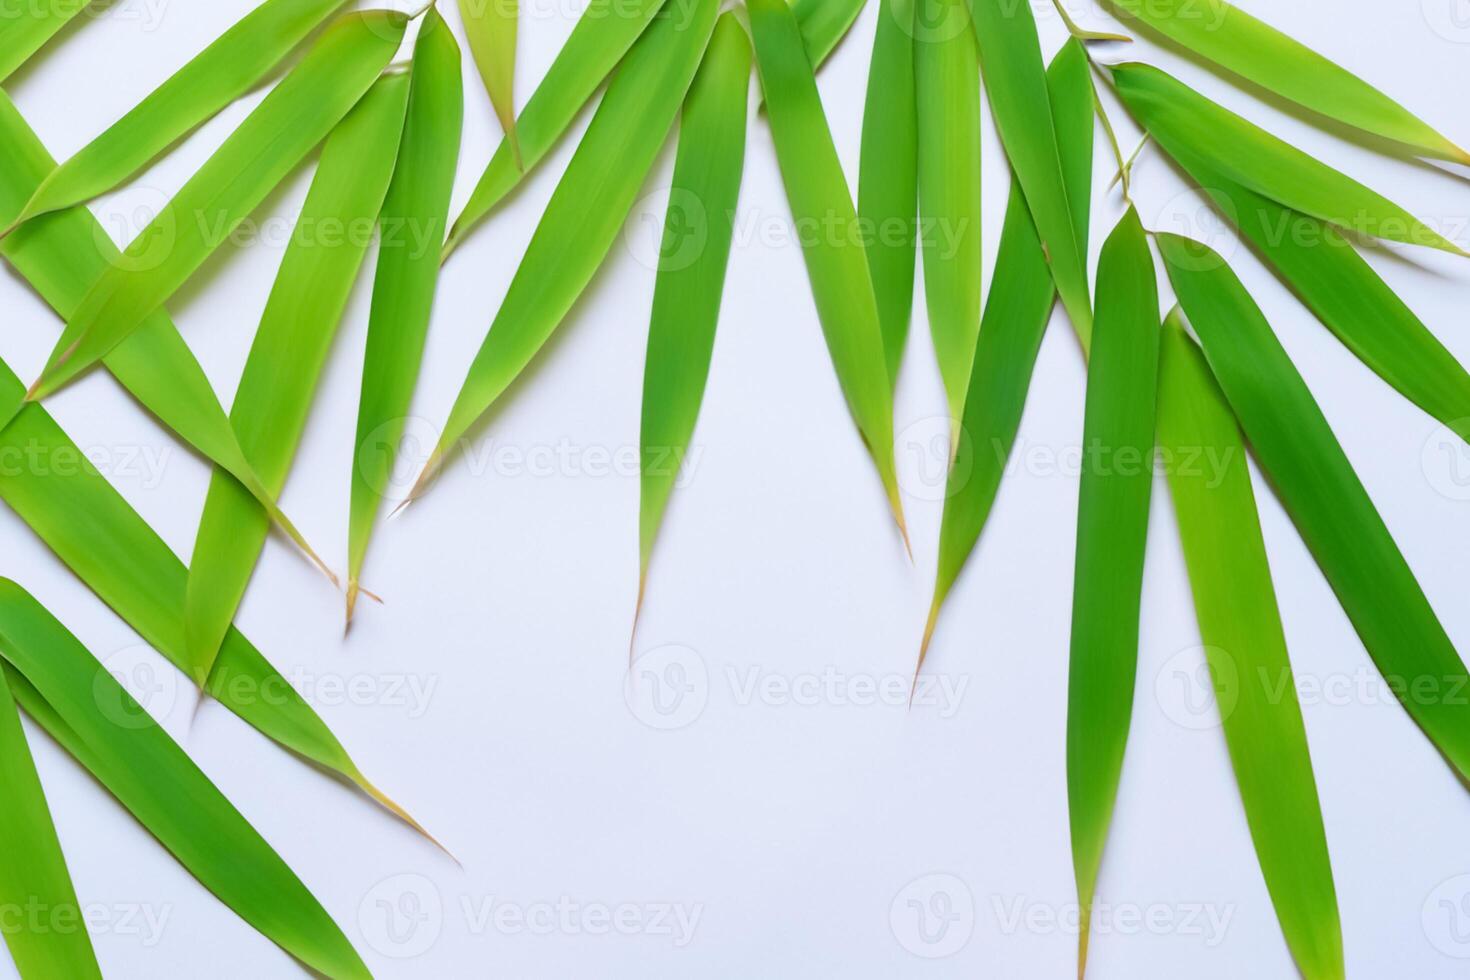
(1209, 375)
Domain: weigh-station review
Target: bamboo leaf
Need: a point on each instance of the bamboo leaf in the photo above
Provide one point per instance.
(1347, 295)
(219, 75)
(60, 685)
(291, 345)
(888, 179)
(490, 26)
(1017, 310)
(695, 251)
(1112, 529)
(947, 84)
(33, 870)
(267, 146)
(24, 33)
(824, 23)
(1258, 53)
(1323, 495)
(1015, 82)
(586, 212)
(62, 255)
(604, 33)
(98, 535)
(1245, 648)
(407, 274)
(1180, 118)
(836, 261)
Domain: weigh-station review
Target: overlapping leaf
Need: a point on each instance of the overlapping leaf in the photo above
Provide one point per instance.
(691, 276)
(294, 118)
(61, 686)
(836, 260)
(1181, 119)
(824, 23)
(305, 306)
(417, 211)
(586, 211)
(1258, 53)
(1112, 529)
(219, 75)
(1245, 648)
(23, 34)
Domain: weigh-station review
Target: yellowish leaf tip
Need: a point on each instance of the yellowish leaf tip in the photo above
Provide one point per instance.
(402, 814)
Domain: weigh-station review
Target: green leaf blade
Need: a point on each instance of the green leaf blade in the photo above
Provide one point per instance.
(1245, 647)
(824, 23)
(1112, 530)
(296, 116)
(490, 26)
(290, 349)
(23, 34)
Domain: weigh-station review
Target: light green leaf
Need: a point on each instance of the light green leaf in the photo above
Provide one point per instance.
(1179, 118)
(1258, 53)
(61, 686)
(24, 33)
(62, 255)
(888, 178)
(1245, 648)
(947, 84)
(1347, 295)
(301, 317)
(1017, 310)
(836, 261)
(414, 217)
(693, 256)
(586, 212)
(1324, 497)
(490, 26)
(824, 23)
(1015, 82)
(1112, 529)
(98, 535)
(33, 872)
(219, 75)
(293, 118)
(604, 33)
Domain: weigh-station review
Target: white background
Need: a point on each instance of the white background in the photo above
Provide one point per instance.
(490, 693)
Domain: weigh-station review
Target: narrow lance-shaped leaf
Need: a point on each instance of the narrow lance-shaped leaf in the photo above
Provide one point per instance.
(219, 75)
(836, 260)
(604, 33)
(1015, 83)
(586, 212)
(1245, 648)
(1022, 295)
(490, 26)
(414, 218)
(1325, 498)
(1179, 118)
(824, 23)
(693, 257)
(947, 83)
(257, 156)
(1258, 53)
(301, 317)
(61, 685)
(1347, 295)
(888, 180)
(33, 872)
(24, 33)
(98, 535)
(61, 255)
(1112, 530)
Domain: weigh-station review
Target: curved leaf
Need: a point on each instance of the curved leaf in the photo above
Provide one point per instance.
(824, 23)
